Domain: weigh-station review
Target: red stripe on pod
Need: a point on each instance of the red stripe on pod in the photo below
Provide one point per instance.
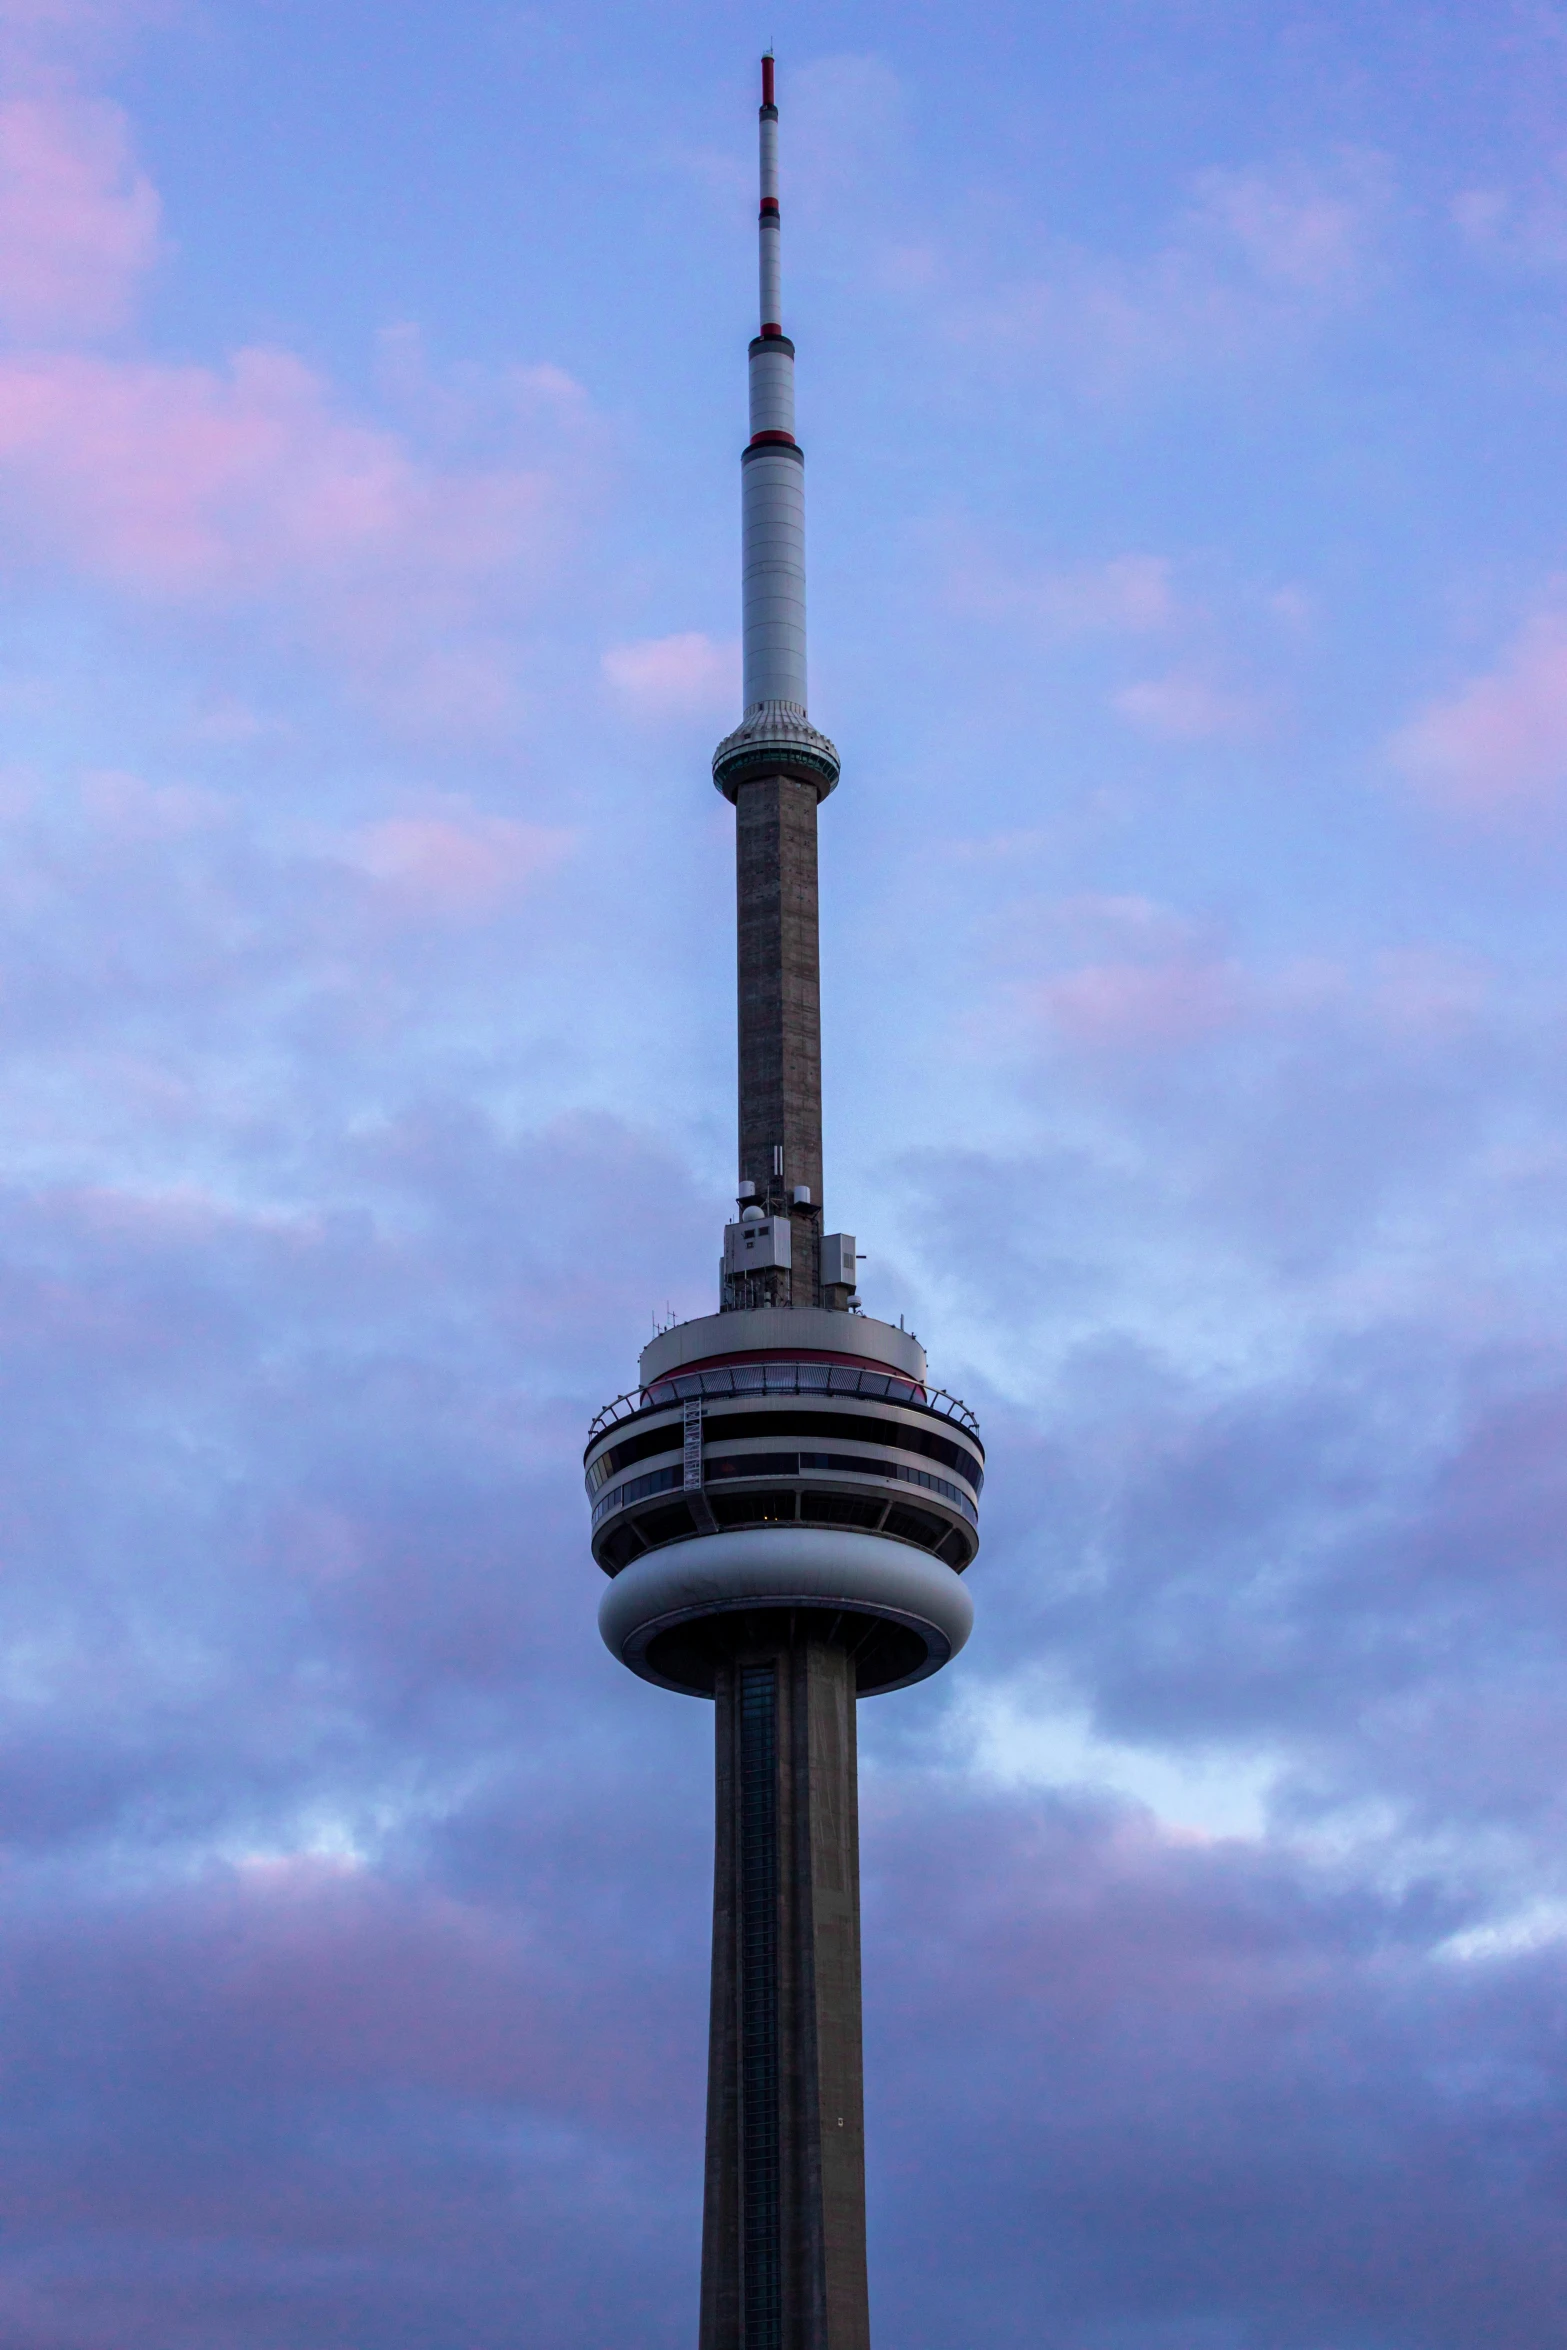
(773, 330)
(769, 208)
(760, 439)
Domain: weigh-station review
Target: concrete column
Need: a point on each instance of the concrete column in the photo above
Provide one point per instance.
(783, 2247)
(780, 1010)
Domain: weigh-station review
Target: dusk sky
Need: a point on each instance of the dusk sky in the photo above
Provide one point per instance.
(1185, 393)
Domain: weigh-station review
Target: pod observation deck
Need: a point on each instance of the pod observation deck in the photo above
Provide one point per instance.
(777, 1460)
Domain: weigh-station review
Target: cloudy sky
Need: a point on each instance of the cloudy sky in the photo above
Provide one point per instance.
(1185, 385)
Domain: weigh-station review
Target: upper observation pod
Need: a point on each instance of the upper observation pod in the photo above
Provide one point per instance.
(785, 1459)
(774, 737)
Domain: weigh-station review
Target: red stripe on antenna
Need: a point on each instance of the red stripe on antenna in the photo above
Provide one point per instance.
(767, 79)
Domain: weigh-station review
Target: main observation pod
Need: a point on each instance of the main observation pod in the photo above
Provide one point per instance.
(783, 1460)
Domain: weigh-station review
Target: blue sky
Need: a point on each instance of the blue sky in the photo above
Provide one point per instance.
(1183, 390)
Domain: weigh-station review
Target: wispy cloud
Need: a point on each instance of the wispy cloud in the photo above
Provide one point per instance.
(402, 547)
(1254, 260)
(1187, 705)
(1124, 595)
(198, 490)
(1496, 750)
(690, 675)
(78, 217)
(457, 862)
(1117, 604)
(185, 481)
(1150, 981)
(1520, 229)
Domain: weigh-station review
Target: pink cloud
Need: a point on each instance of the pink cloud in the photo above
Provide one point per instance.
(78, 220)
(43, 41)
(435, 689)
(180, 480)
(1185, 706)
(400, 550)
(1249, 263)
(1290, 232)
(1498, 747)
(460, 863)
(1144, 977)
(1517, 228)
(1127, 595)
(197, 487)
(1428, 992)
(1121, 976)
(674, 676)
(1128, 1006)
(27, 16)
(123, 806)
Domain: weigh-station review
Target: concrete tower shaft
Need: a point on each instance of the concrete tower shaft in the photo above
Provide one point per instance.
(780, 1026)
(783, 2236)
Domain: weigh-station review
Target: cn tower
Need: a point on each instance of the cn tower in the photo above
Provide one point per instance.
(784, 1505)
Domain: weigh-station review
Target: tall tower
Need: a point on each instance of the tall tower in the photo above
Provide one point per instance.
(784, 1506)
